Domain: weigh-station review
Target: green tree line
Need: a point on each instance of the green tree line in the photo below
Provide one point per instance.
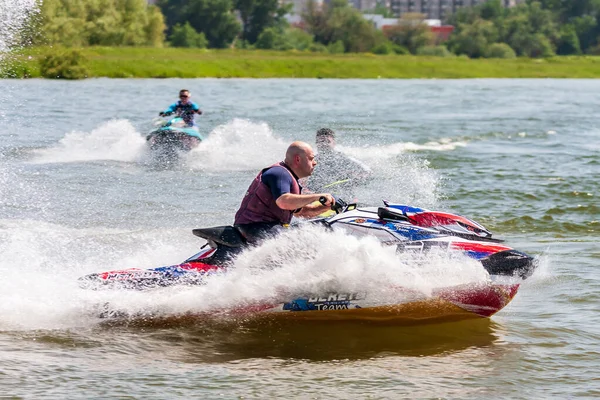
(535, 28)
(76, 23)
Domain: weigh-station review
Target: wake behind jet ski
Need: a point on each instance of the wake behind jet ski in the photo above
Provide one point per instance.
(408, 229)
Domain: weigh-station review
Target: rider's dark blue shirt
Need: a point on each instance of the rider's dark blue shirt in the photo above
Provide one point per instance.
(185, 111)
(278, 180)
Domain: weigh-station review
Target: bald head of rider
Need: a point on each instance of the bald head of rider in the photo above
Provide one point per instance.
(300, 158)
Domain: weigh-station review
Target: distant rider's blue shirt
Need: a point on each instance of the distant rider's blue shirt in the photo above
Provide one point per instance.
(185, 111)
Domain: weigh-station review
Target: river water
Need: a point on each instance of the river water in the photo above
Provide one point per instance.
(80, 194)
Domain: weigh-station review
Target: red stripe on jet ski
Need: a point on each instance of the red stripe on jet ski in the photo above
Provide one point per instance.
(482, 300)
(479, 247)
(433, 218)
(112, 274)
(198, 266)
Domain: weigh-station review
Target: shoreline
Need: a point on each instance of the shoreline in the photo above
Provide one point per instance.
(140, 62)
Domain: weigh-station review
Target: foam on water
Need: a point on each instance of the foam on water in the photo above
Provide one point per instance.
(42, 262)
(243, 145)
(238, 145)
(235, 146)
(395, 149)
(39, 287)
(115, 140)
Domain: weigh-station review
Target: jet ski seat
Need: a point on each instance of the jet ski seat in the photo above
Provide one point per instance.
(226, 235)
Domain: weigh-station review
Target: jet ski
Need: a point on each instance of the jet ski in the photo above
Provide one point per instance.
(409, 229)
(173, 135)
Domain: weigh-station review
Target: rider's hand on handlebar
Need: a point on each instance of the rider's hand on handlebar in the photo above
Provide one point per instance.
(326, 199)
(338, 205)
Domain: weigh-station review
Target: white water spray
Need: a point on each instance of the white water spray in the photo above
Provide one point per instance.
(239, 145)
(13, 17)
(115, 140)
(39, 288)
(303, 262)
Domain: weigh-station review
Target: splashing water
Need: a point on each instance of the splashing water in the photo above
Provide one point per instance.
(243, 145)
(13, 16)
(236, 146)
(40, 290)
(116, 140)
(395, 149)
(310, 261)
(239, 145)
(400, 177)
(314, 259)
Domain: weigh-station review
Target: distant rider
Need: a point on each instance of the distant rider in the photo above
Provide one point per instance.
(334, 166)
(183, 108)
(275, 195)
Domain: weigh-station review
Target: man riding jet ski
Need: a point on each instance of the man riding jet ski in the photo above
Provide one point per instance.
(184, 108)
(275, 195)
(179, 133)
(410, 230)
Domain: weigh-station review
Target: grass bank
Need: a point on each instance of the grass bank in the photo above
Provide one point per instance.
(128, 62)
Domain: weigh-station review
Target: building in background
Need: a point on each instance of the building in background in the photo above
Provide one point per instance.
(364, 5)
(433, 9)
(441, 32)
(301, 6)
(438, 9)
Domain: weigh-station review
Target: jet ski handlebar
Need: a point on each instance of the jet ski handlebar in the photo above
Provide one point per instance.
(339, 206)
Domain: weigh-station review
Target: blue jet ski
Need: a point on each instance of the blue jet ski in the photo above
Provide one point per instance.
(174, 135)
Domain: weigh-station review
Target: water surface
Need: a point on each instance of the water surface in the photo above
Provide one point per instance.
(79, 194)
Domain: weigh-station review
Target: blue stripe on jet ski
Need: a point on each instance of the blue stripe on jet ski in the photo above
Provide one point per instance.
(171, 270)
(477, 255)
(406, 209)
(410, 232)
